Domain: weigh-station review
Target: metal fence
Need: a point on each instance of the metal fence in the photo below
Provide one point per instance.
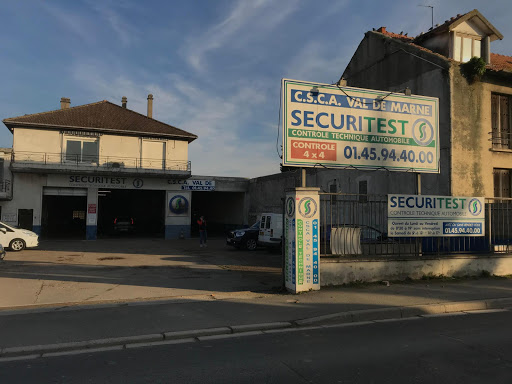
(356, 225)
(112, 162)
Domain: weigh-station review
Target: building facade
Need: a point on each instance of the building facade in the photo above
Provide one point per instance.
(75, 171)
(474, 113)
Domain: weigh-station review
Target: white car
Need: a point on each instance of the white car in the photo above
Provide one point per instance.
(17, 239)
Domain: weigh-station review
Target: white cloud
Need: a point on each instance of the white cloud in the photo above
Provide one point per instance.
(122, 29)
(247, 20)
(78, 25)
(318, 62)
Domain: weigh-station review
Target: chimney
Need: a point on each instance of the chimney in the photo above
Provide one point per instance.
(150, 106)
(124, 100)
(64, 103)
(382, 30)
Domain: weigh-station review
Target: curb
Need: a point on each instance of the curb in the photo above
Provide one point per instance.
(359, 317)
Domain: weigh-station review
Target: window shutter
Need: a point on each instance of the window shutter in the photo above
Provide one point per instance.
(495, 121)
(504, 122)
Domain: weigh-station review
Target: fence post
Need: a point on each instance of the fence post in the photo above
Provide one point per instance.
(419, 241)
(489, 215)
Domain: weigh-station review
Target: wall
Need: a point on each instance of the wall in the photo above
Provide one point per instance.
(473, 158)
(338, 272)
(177, 150)
(119, 146)
(381, 63)
(36, 140)
(27, 189)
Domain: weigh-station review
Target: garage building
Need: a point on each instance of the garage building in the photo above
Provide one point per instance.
(80, 172)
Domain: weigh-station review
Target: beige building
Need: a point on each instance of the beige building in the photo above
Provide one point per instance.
(80, 171)
(474, 116)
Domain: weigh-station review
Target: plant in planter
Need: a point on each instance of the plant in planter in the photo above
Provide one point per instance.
(473, 70)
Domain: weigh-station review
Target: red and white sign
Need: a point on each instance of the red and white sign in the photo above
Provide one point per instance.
(311, 150)
(91, 208)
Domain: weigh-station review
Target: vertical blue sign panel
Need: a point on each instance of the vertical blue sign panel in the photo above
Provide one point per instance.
(315, 252)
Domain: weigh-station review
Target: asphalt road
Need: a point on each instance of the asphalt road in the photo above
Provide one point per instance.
(474, 348)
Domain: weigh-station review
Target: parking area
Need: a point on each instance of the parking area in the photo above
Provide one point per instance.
(125, 269)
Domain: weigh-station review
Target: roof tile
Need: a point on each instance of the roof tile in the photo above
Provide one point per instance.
(501, 62)
(102, 115)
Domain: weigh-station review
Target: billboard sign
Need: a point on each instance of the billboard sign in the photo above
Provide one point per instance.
(346, 127)
(425, 216)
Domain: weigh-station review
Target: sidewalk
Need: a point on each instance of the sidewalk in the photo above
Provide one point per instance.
(44, 330)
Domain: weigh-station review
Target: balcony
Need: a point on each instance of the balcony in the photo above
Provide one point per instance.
(42, 162)
(501, 141)
(5, 189)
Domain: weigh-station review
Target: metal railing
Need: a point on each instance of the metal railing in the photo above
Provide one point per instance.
(356, 225)
(499, 224)
(501, 140)
(63, 160)
(5, 186)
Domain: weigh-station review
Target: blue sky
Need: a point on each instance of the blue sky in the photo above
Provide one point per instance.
(214, 67)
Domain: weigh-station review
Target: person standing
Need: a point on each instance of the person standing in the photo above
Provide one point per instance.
(202, 231)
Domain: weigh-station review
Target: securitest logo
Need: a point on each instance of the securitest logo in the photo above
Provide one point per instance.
(422, 132)
(178, 205)
(290, 206)
(475, 207)
(307, 207)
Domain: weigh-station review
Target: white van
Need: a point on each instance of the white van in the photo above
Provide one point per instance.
(271, 230)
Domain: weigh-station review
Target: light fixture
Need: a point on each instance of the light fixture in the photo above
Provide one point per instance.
(314, 91)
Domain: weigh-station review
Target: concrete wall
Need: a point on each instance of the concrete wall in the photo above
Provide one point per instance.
(27, 189)
(119, 146)
(339, 271)
(36, 140)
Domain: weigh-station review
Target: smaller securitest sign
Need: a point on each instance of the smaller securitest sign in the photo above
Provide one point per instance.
(302, 240)
(195, 185)
(425, 216)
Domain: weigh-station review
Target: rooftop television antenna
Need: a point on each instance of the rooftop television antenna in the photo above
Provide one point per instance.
(432, 9)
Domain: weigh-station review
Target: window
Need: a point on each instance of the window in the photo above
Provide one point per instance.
(82, 151)
(500, 120)
(153, 154)
(502, 182)
(79, 215)
(466, 47)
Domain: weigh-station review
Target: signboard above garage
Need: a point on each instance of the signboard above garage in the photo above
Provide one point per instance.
(81, 182)
(345, 127)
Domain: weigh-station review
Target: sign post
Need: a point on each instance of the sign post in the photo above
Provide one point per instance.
(302, 240)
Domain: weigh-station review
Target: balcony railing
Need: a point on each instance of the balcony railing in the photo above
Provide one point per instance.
(501, 140)
(5, 186)
(114, 163)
